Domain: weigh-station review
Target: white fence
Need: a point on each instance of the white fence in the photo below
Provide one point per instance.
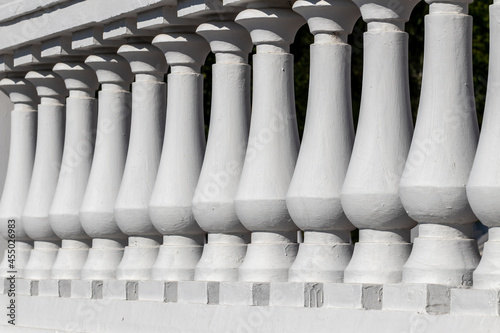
(119, 217)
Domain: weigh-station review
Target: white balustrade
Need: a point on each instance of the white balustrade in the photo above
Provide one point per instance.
(213, 202)
(19, 170)
(313, 199)
(273, 146)
(81, 115)
(143, 157)
(182, 156)
(48, 157)
(442, 152)
(120, 207)
(483, 188)
(113, 127)
(370, 195)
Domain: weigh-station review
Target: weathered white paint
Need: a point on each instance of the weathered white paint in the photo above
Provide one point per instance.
(6, 107)
(483, 188)
(213, 202)
(81, 115)
(74, 16)
(143, 157)
(113, 127)
(442, 152)
(21, 158)
(273, 146)
(182, 156)
(125, 316)
(10, 9)
(313, 199)
(49, 149)
(156, 306)
(370, 195)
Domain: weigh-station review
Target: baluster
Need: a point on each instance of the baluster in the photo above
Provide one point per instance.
(370, 195)
(442, 152)
(81, 114)
(273, 146)
(213, 203)
(113, 126)
(19, 170)
(483, 188)
(146, 135)
(313, 199)
(48, 157)
(182, 156)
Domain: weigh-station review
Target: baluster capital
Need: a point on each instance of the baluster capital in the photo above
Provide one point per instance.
(449, 6)
(144, 59)
(48, 85)
(77, 76)
(20, 91)
(184, 51)
(271, 29)
(331, 16)
(111, 68)
(227, 38)
(396, 12)
(450, 2)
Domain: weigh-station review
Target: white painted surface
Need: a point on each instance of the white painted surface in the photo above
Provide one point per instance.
(20, 166)
(270, 163)
(48, 156)
(126, 316)
(10, 9)
(313, 198)
(64, 215)
(56, 21)
(483, 188)
(6, 107)
(181, 159)
(112, 137)
(273, 146)
(442, 152)
(213, 202)
(146, 139)
(370, 195)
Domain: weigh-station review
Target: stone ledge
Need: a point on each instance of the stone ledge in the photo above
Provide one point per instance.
(475, 302)
(353, 296)
(244, 293)
(86, 289)
(48, 288)
(32, 28)
(426, 298)
(119, 289)
(198, 292)
(27, 287)
(152, 291)
(123, 316)
(299, 294)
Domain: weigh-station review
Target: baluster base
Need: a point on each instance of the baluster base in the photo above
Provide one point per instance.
(442, 255)
(138, 258)
(269, 257)
(43, 255)
(23, 251)
(177, 258)
(70, 259)
(103, 259)
(487, 273)
(221, 257)
(378, 257)
(322, 257)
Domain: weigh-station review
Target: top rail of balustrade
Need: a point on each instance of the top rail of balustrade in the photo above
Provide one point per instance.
(25, 22)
